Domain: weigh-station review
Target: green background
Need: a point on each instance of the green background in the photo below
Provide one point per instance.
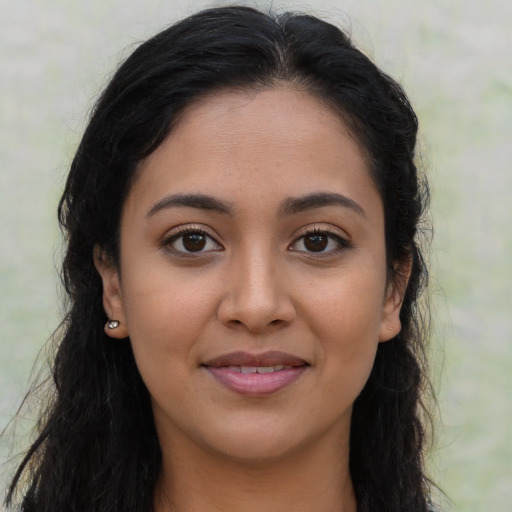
(453, 58)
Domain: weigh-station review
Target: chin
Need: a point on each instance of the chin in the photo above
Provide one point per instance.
(262, 442)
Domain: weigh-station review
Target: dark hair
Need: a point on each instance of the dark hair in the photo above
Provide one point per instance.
(80, 460)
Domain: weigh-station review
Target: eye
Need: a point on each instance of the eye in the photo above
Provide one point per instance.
(320, 241)
(190, 241)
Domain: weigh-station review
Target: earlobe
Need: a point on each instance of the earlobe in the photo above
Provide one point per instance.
(112, 295)
(390, 324)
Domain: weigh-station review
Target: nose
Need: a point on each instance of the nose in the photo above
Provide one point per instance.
(257, 295)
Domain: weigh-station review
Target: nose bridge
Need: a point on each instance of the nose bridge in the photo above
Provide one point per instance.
(257, 280)
(255, 295)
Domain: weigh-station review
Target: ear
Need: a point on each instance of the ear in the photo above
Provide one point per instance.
(390, 324)
(112, 295)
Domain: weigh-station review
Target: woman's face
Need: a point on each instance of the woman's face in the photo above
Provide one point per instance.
(252, 278)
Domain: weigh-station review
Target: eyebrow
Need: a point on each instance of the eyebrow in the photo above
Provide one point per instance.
(289, 206)
(200, 201)
(319, 200)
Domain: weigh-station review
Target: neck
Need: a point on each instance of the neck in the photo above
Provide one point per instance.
(315, 479)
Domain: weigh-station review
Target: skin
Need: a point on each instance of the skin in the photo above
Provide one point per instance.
(254, 286)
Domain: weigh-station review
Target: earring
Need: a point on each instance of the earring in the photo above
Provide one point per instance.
(113, 324)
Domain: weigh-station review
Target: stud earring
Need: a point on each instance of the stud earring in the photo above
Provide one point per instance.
(113, 324)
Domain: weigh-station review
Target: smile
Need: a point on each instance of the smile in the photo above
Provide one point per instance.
(260, 369)
(256, 374)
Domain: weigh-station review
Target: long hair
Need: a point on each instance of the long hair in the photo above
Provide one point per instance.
(96, 449)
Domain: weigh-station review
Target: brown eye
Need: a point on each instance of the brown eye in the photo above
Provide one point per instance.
(194, 242)
(316, 242)
(323, 243)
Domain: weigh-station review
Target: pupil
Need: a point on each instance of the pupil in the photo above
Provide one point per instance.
(316, 242)
(194, 242)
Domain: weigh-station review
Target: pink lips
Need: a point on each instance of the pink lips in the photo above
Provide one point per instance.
(256, 374)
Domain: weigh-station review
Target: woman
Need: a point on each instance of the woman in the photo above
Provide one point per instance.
(243, 272)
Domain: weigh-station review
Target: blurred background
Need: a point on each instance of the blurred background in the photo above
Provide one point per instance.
(453, 58)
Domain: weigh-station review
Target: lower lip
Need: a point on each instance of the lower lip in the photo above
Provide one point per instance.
(256, 384)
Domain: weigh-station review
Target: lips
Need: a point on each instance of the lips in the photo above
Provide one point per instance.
(273, 358)
(256, 374)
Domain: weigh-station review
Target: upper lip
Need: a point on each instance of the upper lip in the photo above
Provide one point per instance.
(271, 358)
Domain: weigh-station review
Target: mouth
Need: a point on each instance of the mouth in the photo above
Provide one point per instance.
(260, 369)
(256, 374)
(264, 360)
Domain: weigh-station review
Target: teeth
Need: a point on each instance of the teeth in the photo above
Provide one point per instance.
(265, 369)
(249, 369)
(260, 369)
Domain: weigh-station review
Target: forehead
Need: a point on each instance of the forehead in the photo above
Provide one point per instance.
(248, 109)
(271, 142)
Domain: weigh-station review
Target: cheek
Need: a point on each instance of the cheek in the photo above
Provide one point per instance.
(348, 306)
(346, 317)
(350, 342)
(166, 315)
(349, 350)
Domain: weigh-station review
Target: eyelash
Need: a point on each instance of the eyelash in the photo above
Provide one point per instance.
(183, 231)
(341, 242)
